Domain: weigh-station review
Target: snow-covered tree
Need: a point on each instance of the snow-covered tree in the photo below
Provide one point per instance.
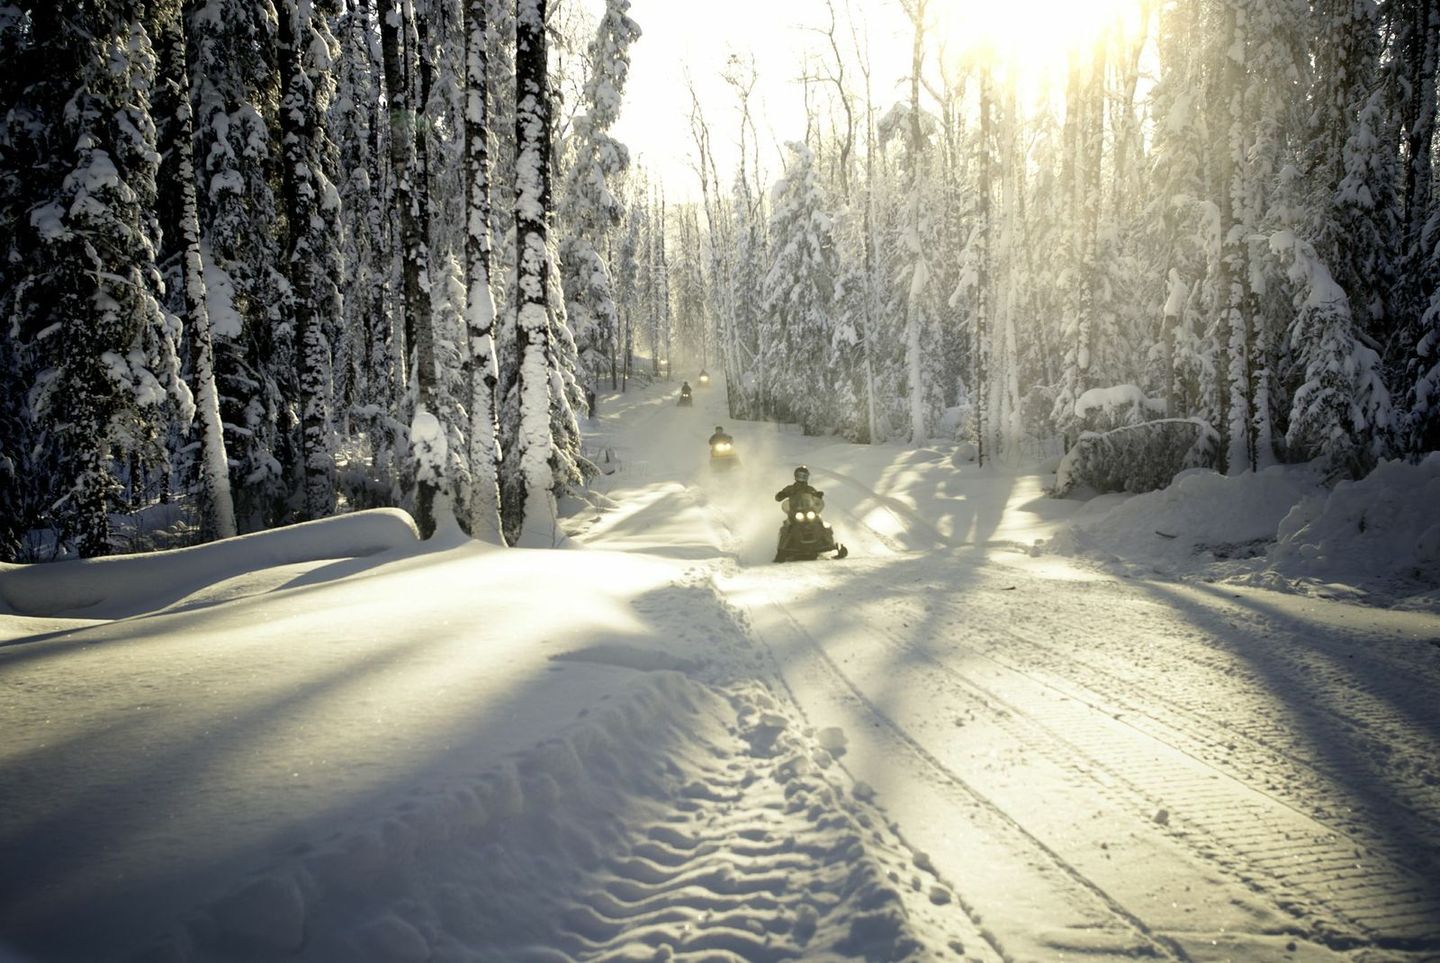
(311, 204)
(590, 208)
(484, 375)
(235, 91)
(173, 88)
(797, 308)
(528, 481)
(90, 302)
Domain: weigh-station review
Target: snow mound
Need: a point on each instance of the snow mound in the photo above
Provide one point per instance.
(681, 821)
(124, 585)
(1381, 532)
(1201, 517)
(1376, 540)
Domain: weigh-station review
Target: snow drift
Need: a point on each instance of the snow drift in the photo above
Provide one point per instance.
(122, 585)
(1279, 528)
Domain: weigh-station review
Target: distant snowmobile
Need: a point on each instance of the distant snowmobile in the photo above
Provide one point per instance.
(685, 400)
(804, 536)
(704, 378)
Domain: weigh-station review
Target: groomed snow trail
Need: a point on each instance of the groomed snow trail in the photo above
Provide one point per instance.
(1101, 766)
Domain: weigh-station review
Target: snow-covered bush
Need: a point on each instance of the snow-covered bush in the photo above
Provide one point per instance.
(1137, 458)
(1120, 406)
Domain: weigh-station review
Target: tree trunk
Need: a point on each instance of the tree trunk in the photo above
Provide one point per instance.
(481, 368)
(218, 507)
(528, 503)
(398, 37)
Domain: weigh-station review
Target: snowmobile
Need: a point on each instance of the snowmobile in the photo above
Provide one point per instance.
(722, 453)
(704, 378)
(804, 536)
(685, 400)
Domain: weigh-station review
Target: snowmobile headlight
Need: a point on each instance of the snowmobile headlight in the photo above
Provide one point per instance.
(810, 516)
(799, 516)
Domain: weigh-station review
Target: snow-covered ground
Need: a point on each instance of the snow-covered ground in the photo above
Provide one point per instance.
(1198, 724)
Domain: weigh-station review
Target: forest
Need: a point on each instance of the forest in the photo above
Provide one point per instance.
(267, 261)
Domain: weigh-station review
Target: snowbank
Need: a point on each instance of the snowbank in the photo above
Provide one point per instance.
(1202, 516)
(123, 585)
(1383, 530)
(1278, 528)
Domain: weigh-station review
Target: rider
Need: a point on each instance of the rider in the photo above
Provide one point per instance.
(684, 388)
(719, 436)
(801, 485)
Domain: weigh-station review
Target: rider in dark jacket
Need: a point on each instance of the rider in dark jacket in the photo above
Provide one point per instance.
(799, 486)
(720, 436)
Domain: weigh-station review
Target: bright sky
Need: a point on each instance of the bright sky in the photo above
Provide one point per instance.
(695, 39)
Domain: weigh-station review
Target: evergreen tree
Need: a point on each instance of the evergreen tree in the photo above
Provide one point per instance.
(590, 206)
(311, 203)
(235, 92)
(89, 303)
(217, 506)
(798, 299)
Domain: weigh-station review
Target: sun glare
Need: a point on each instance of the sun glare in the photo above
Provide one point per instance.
(1029, 39)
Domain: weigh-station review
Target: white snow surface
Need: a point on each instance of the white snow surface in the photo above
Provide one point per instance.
(994, 732)
(1375, 540)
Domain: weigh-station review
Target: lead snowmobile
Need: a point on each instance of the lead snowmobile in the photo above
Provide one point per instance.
(804, 535)
(722, 451)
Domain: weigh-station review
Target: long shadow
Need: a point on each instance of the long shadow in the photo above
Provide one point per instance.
(1315, 677)
(1319, 682)
(51, 907)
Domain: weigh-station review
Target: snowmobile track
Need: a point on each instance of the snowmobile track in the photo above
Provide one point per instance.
(1387, 895)
(1215, 815)
(1157, 945)
(1254, 749)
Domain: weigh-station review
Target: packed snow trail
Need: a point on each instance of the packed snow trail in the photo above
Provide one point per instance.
(663, 746)
(1115, 767)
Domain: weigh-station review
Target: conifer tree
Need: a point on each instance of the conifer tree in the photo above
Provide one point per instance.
(90, 304)
(307, 50)
(590, 208)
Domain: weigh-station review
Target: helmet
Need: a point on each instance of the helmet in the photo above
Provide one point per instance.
(719, 428)
(802, 474)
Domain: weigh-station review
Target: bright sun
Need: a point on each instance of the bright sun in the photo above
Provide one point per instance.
(1030, 38)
